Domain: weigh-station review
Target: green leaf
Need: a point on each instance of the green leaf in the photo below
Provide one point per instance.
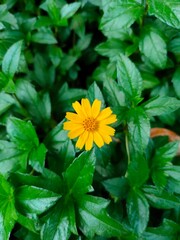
(169, 230)
(111, 47)
(6, 102)
(161, 200)
(176, 83)
(121, 14)
(3, 80)
(159, 178)
(47, 180)
(167, 11)
(43, 37)
(138, 129)
(69, 10)
(66, 96)
(161, 105)
(22, 133)
(11, 59)
(138, 210)
(38, 105)
(117, 187)
(13, 159)
(114, 93)
(37, 157)
(44, 75)
(28, 223)
(32, 199)
(129, 77)
(138, 171)
(79, 174)
(172, 171)
(149, 80)
(8, 213)
(60, 223)
(94, 92)
(93, 213)
(165, 154)
(153, 46)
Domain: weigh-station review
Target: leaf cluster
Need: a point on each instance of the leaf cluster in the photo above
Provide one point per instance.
(126, 53)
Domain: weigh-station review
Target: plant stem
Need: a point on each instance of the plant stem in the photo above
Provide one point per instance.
(127, 149)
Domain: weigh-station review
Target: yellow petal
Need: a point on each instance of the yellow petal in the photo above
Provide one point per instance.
(82, 139)
(71, 126)
(104, 114)
(86, 106)
(78, 108)
(89, 142)
(75, 133)
(106, 138)
(74, 117)
(98, 139)
(96, 106)
(111, 119)
(107, 130)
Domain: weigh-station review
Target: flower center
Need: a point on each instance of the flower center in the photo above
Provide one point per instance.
(90, 124)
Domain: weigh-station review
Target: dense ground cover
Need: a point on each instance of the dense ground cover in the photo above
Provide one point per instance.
(122, 56)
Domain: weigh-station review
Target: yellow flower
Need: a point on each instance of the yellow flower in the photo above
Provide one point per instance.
(89, 124)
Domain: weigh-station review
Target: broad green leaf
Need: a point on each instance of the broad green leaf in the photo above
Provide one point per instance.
(6, 102)
(161, 105)
(6, 17)
(159, 178)
(138, 129)
(138, 210)
(11, 59)
(117, 187)
(60, 223)
(56, 137)
(176, 82)
(84, 42)
(94, 92)
(38, 105)
(35, 200)
(129, 77)
(66, 96)
(169, 230)
(172, 171)
(121, 14)
(69, 10)
(3, 80)
(13, 159)
(79, 174)
(173, 185)
(161, 200)
(44, 75)
(138, 171)
(43, 37)
(28, 223)
(114, 93)
(93, 213)
(174, 46)
(8, 213)
(47, 180)
(111, 48)
(167, 11)
(149, 80)
(165, 154)
(22, 133)
(153, 46)
(37, 157)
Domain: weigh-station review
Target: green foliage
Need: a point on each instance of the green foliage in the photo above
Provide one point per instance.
(125, 53)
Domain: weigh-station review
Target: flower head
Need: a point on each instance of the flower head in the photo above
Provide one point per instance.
(90, 124)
